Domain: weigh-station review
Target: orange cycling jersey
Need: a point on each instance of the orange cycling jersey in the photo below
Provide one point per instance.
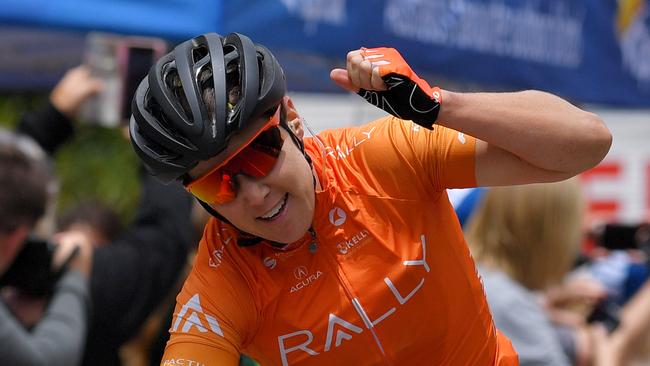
(384, 278)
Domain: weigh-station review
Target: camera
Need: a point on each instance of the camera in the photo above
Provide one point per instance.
(31, 271)
(624, 236)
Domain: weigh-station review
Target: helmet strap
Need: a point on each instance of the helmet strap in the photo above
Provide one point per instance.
(299, 143)
(244, 239)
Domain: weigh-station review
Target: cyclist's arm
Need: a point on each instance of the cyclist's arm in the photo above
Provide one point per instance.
(526, 137)
(209, 325)
(197, 354)
(205, 329)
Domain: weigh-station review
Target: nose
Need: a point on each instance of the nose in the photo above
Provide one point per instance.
(251, 190)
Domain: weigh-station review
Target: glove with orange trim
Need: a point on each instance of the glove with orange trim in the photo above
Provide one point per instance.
(407, 96)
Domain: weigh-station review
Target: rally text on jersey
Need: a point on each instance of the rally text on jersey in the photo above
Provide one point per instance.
(342, 152)
(306, 336)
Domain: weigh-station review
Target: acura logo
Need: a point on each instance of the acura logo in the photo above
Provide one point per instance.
(300, 272)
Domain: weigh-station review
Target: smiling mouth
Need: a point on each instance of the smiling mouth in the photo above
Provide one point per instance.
(276, 210)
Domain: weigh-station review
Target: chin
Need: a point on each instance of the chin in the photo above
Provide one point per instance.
(293, 238)
(292, 233)
(289, 236)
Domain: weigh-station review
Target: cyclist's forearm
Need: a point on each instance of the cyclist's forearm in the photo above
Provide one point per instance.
(537, 127)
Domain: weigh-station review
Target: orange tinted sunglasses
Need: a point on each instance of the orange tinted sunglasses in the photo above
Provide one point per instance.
(255, 159)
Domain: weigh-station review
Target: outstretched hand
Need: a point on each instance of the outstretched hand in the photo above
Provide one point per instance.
(76, 86)
(384, 79)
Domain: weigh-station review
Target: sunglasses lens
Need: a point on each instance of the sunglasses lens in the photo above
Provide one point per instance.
(215, 188)
(256, 160)
(269, 142)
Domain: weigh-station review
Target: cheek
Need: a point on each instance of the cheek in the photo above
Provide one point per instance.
(295, 170)
(231, 211)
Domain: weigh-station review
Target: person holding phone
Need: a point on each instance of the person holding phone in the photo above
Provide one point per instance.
(54, 336)
(52, 125)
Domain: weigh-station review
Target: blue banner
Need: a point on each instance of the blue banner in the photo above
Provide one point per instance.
(41, 39)
(171, 19)
(589, 51)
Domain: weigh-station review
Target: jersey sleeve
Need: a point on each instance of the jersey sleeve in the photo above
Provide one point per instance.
(406, 160)
(215, 313)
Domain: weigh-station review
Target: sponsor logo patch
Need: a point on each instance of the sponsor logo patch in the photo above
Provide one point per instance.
(337, 216)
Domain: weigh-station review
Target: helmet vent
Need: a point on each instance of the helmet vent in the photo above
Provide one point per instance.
(199, 53)
(175, 84)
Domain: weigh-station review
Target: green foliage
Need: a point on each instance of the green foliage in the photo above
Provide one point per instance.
(99, 164)
(13, 106)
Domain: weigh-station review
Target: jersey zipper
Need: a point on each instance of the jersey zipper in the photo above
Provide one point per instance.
(347, 287)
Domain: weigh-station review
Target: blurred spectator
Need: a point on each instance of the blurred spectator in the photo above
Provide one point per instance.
(52, 125)
(525, 239)
(620, 262)
(620, 258)
(630, 343)
(100, 223)
(465, 201)
(56, 336)
(133, 274)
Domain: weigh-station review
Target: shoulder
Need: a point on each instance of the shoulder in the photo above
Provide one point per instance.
(503, 292)
(374, 158)
(217, 255)
(218, 286)
(515, 309)
(359, 144)
(386, 133)
(518, 314)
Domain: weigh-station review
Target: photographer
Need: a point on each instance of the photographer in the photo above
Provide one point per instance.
(56, 337)
(134, 273)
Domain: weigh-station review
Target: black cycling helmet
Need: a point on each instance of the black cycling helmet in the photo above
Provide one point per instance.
(174, 125)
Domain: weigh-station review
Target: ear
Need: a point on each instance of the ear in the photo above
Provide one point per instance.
(293, 118)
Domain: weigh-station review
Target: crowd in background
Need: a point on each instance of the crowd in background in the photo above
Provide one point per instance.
(104, 293)
(105, 296)
(558, 299)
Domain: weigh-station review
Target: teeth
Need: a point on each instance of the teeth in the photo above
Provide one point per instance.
(275, 210)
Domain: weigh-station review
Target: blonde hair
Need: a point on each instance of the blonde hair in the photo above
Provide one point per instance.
(531, 232)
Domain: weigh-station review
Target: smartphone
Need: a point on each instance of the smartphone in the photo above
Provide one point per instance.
(121, 62)
(136, 55)
(100, 55)
(622, 236)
